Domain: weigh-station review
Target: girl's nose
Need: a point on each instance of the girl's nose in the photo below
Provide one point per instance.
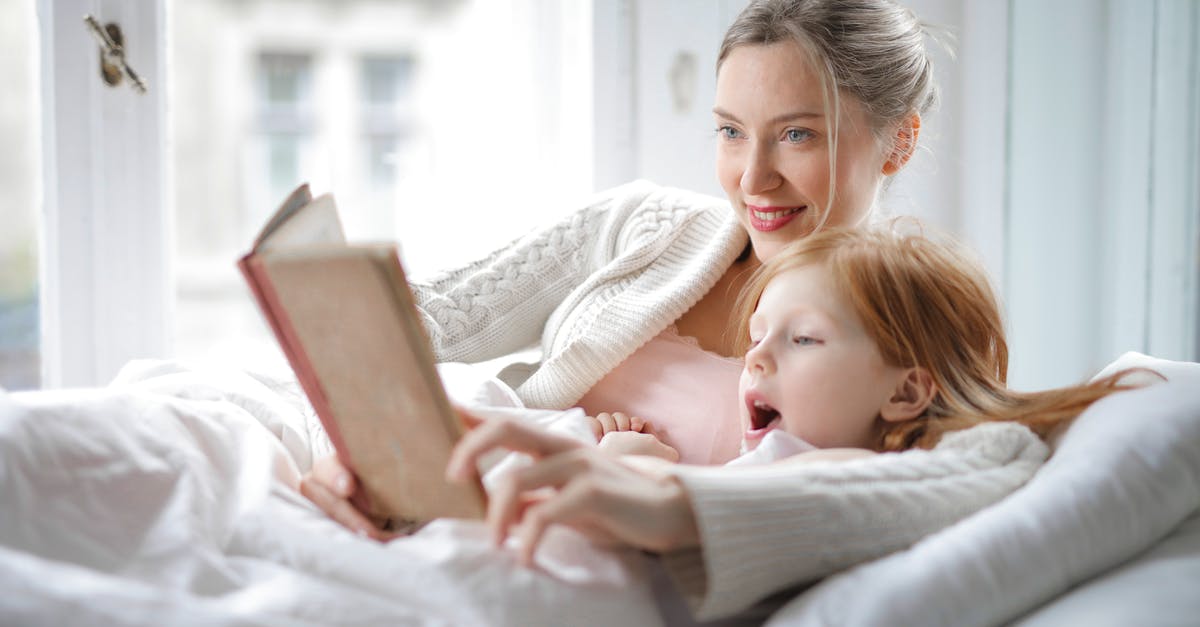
(759, 174)
(758, 359)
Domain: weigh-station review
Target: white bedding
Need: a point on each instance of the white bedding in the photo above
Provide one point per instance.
(166, 501)
(168, 498)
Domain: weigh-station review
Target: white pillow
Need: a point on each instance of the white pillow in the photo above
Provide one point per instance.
(1123, 475)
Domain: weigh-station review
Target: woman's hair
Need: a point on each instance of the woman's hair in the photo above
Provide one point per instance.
(871, 50)
(927, 304)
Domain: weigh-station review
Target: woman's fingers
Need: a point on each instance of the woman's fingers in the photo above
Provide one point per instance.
(339, 508)
(510, 496)
(507, 434)
(636, 423)
(330, 472)
(570, 505)
(622, 421)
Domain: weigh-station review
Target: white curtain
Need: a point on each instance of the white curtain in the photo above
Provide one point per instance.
(1102, 214)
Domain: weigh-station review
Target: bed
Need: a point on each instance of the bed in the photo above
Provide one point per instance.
(168, 497)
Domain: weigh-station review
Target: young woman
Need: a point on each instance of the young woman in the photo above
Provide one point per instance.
(818, 102)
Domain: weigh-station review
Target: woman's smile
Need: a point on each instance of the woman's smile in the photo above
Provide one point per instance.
(766, 219)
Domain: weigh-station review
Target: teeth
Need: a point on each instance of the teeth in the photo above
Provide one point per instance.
(761, 405)
(775, 215)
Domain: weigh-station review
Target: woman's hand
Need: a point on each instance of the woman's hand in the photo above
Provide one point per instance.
(334, 489)
(578, 486)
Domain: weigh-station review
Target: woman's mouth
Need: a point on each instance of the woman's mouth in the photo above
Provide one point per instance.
(772, 218)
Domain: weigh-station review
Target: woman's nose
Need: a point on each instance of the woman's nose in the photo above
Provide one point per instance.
(759, 174)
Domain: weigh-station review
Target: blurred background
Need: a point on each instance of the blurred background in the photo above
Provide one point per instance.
(1065, 151)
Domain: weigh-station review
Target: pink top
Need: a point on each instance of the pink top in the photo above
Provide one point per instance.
(688, 394)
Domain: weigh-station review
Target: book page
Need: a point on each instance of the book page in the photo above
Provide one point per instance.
(295, 226)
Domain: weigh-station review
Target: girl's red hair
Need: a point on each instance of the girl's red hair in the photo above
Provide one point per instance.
(927, 304)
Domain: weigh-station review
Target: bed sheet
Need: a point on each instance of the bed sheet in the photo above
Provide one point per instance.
(170, 498)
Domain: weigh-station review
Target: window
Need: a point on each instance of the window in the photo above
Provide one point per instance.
(20, 359)
(378, 102)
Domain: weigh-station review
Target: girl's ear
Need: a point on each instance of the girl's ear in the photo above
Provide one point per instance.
(905, 144)
(912, 396)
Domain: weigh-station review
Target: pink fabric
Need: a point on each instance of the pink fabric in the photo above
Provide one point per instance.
(689, 396)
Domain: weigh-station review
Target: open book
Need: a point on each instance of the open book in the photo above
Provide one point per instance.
(346, 320)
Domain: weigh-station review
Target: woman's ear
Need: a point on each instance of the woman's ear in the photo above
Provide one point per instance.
(904, 144)
(912, 396)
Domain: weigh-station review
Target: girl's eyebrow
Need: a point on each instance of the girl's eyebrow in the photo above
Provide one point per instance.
(786, 117)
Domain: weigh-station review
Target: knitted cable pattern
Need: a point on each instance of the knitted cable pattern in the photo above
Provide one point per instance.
(592, 287)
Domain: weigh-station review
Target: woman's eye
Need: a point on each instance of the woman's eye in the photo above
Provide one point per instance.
(797, 135)
(728, 132)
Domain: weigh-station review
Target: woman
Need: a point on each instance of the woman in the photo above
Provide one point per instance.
(818, 102)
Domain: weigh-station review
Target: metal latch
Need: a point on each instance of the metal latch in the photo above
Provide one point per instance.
(113, 65)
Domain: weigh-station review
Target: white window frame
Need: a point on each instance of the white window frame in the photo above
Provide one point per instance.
(105, 278)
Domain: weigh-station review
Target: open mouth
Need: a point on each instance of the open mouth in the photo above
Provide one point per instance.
(762, 416)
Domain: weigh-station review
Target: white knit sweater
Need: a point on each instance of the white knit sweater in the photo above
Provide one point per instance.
(767, 528)
(593, 288)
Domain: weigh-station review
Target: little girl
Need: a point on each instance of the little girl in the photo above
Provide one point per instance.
(867, 341)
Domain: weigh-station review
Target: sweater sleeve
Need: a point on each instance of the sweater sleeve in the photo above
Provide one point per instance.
(500, 304)
(769, 528)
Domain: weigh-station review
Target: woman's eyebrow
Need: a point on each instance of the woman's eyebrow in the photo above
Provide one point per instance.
(786, 117)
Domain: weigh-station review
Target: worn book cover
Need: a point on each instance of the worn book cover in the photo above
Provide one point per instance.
(346, 320)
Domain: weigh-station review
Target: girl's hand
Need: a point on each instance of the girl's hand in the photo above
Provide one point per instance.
(620, 434)
(605, 423)
(578, 486)
(334, 489)
(634, 443)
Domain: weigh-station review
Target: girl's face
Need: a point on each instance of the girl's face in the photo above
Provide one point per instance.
(773, 148)
(812, 370)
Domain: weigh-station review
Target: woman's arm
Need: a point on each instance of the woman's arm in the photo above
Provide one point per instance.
(767, 528)
(501, 303)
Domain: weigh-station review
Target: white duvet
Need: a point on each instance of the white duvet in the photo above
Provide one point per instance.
(169, 498)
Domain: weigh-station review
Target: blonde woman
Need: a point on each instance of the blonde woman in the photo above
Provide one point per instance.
(817, 104)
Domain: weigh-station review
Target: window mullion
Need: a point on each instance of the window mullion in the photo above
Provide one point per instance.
(105, 274)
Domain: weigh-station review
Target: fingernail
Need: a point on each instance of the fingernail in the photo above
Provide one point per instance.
(342, 483)
(362, 532)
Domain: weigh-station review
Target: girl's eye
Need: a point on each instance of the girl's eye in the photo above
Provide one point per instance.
(728, 132)
(804, 340)
(797, 135)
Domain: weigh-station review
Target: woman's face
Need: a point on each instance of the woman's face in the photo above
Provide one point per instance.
(773, 147)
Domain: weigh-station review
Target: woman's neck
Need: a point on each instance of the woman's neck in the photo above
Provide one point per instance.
(710, 320)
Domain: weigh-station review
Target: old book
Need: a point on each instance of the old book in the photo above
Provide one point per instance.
(346, 320)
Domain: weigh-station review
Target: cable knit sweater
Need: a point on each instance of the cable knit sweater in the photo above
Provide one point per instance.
(593, 288)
